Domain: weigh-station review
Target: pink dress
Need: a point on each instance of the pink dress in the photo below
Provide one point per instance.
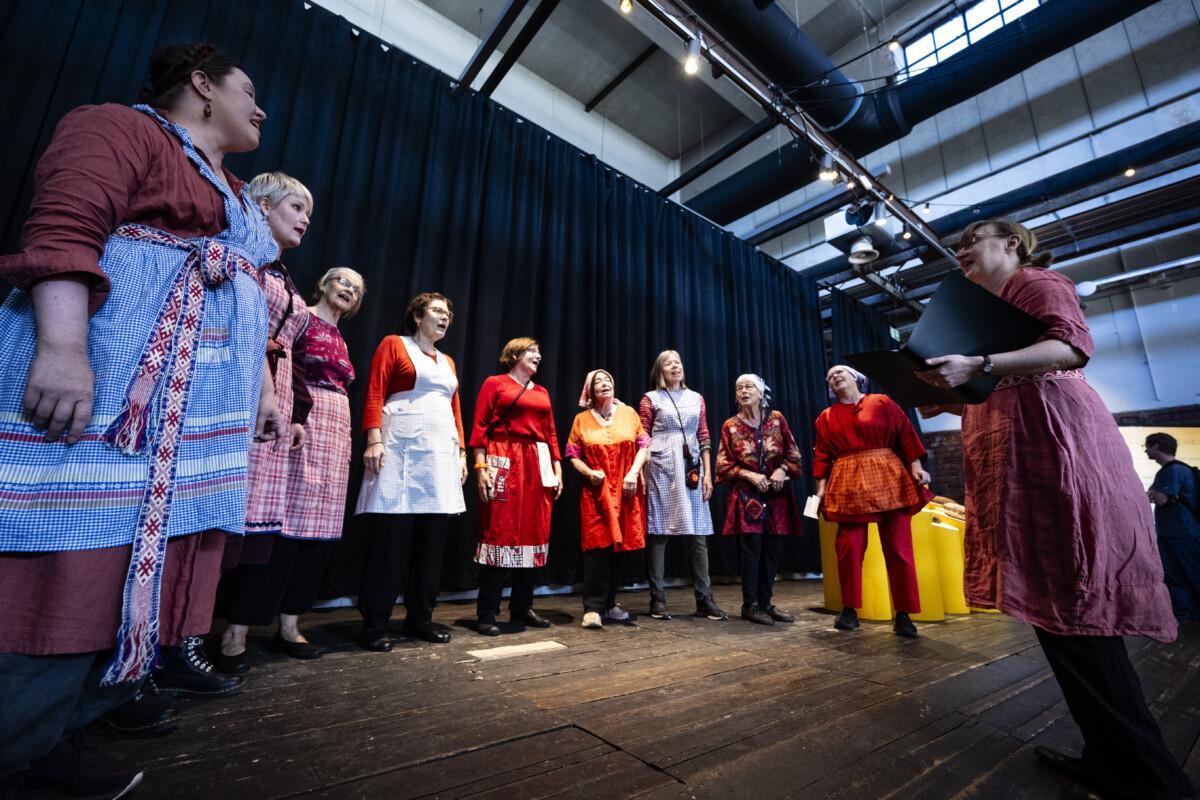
(1059, 533)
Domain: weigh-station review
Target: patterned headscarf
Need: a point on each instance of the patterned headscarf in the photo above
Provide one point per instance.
(585, 397)
(762, 387)
(859, 379)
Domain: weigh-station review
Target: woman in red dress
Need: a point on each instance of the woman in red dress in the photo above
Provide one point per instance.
(518, 472)
(868, 466)
(758, 455)
(607, 446)
(1059, 533)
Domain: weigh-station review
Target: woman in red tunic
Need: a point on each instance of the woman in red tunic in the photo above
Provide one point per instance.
(607, 446)
(868, 466)
(758, 455)
(518, 471)
(1059, 533)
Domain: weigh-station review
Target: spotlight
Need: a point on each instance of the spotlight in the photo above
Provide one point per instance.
(851, 185)
(827, 173)
(893, 45)
(626, 6)
(880, 211)
(925, 209)
(691, 64)
(906, 235)
(862, 251)
(1130, 172)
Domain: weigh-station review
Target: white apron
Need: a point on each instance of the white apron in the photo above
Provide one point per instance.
(420, 473)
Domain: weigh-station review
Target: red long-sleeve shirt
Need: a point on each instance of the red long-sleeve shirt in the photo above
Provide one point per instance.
(531, 417)
(874, 422)
(393, 371)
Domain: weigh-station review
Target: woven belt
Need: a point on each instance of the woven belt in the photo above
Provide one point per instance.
(1009, 381)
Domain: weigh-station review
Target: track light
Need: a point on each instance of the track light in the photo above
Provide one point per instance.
(893, 45)
(925, 209)
(1130, 172)
(907, 234)
(827, 173)
(626, 6)
(880, 214)
(691, 64)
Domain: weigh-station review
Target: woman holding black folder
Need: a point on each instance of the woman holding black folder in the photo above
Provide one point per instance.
(1058, 531)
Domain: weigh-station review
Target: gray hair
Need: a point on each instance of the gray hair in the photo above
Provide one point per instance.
(274, 187)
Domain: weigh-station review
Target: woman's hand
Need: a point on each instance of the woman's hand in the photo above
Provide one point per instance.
(706, 487)
(757, 480)
(373, 457)
(268, 426)
(59, 386)
(297, 439)
(629, 485)
(462, 469)
(950, 371)
(919, 474)
(558, 489)
(778, 478)
(596, 477)
(483, 480)
(821, 488)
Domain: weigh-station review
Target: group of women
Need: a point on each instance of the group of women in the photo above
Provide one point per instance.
(154, 334)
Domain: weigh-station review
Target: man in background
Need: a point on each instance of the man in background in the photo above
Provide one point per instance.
(1176, 499)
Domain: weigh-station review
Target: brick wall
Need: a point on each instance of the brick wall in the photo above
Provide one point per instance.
(944, 460)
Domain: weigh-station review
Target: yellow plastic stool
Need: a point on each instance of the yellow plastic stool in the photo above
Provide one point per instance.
(948, 542)
(929, 573)
(876, 597)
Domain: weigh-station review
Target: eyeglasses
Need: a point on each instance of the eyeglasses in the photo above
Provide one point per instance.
(439, 311)
(346, 283)
(976, 238)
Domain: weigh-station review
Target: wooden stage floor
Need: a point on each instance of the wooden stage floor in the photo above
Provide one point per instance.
(687, 708)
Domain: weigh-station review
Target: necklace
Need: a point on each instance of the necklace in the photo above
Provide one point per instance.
(603, 417)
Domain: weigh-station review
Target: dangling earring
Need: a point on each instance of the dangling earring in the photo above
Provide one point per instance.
(207, 107)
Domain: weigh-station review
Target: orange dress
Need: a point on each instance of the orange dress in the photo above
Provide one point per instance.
(607, 517)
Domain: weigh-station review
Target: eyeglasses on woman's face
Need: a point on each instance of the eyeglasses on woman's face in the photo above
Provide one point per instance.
(439, 311)
(976, 238)
(346, 283)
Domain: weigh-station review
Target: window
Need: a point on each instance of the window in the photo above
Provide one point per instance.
(955, 33)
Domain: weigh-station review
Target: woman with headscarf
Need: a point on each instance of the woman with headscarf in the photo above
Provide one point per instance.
(607, 446)
(868, 465)
(1059, 533)
(758, 454)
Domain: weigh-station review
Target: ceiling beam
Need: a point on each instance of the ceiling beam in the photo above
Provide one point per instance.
(737, 143)
(617, 81)
(519, 43)
(489, 43)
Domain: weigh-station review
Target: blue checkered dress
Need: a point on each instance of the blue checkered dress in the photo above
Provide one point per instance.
(671, 507)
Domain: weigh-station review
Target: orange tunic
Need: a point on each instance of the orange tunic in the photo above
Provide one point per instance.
(607, 517)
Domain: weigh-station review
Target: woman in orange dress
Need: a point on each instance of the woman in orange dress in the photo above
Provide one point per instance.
(607, 446)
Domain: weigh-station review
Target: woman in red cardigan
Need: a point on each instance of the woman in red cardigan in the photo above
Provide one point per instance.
(416, 465)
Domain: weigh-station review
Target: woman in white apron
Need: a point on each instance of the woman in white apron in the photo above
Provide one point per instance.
(415, 469)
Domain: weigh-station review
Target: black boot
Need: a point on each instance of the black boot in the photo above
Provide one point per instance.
(658, 606)
(707, 607)
(847, 620)
(187, 670)
(903, 626)
(144, 715)
(756, 615)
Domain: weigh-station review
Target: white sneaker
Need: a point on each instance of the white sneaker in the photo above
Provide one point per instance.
(592, 620)
(617, 614)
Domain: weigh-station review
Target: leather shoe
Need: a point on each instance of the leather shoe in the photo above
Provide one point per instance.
(487, 628)
(531, 619)
(1069, 767)
(186, 669)
(779, 615)
(903, 626)
(234, 665)
(377, 642)
(847, 620)
(756, 615)
(427, 632)
(142, 716)
(302, 650)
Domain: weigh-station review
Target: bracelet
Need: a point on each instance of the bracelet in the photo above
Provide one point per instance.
(479, 465)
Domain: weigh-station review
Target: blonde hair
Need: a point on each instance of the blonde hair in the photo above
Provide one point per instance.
(514, 349)
(337, 272)
(657, 380)
(1026, 250)
(274, 187)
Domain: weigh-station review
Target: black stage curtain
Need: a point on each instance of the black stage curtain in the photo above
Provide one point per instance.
(421, 189)
(858, 327)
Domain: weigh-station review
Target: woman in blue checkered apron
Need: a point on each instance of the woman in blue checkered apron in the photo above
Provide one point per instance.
(678, 481)
(129, 430)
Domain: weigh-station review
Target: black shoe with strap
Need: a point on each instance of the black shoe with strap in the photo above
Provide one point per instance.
(187, 670)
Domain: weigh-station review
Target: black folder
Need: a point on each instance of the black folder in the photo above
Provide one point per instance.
(961, 319)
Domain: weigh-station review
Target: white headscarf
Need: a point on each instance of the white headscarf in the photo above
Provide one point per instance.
(760, 384)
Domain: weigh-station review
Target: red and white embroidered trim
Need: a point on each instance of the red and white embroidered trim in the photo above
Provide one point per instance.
(1008, 381)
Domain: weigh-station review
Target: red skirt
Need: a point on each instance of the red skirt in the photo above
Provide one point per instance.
(514, 526)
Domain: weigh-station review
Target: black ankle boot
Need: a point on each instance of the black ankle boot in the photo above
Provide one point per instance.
(658, 606)
(186, 669)
(847, 620)
(903, 626)
(707, 607)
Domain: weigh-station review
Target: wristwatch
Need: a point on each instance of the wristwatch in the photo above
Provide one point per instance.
(986, 366)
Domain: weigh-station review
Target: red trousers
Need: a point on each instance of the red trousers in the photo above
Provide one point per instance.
(895, 534)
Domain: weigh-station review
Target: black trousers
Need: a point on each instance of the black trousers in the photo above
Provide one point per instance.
(601, 578)
(758, 558)
(404, 551)
(491, 587)
(1122, 744)
(287, 584)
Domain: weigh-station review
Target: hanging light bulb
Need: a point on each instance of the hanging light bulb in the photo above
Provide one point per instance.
(626, 6)
(907, 234)
(827, 173)
(850, 184)
(1130, 172)
(691, 64)
(880, 214)
(925, 209)
(893, 45)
